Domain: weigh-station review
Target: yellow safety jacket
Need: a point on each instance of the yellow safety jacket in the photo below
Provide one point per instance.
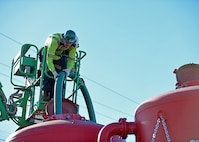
(55, 48)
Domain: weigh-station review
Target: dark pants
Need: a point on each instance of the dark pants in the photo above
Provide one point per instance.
(48, 83)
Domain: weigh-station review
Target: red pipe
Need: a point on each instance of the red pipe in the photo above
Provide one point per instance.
(122, 128)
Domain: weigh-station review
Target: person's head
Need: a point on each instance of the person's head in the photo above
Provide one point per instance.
(69, 38)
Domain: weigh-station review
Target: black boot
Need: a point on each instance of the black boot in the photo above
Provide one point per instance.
(46, 96)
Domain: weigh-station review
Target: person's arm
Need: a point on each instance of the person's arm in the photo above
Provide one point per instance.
(52, 46)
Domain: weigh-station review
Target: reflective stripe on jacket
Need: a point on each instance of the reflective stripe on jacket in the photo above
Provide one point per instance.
(55, 48)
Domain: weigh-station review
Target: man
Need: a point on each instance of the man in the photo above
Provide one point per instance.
(60, 56)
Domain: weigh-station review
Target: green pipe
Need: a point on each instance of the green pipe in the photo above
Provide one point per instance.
(58, 93)
(88, 101)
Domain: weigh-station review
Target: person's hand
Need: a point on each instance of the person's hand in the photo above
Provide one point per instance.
(55, 74)
(67, 71)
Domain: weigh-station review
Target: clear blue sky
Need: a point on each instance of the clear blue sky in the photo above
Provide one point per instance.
(132, 46)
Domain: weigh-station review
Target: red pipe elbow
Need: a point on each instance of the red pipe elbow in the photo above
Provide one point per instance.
(122, 128)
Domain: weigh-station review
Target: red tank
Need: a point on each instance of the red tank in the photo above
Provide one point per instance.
(60, 128)
(170, 117)
(58, 131)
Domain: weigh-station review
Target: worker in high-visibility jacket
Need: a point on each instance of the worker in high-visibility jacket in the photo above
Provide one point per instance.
(60, 56)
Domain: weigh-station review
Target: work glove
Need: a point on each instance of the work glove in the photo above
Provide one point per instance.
(67, 71)
(55, 74)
